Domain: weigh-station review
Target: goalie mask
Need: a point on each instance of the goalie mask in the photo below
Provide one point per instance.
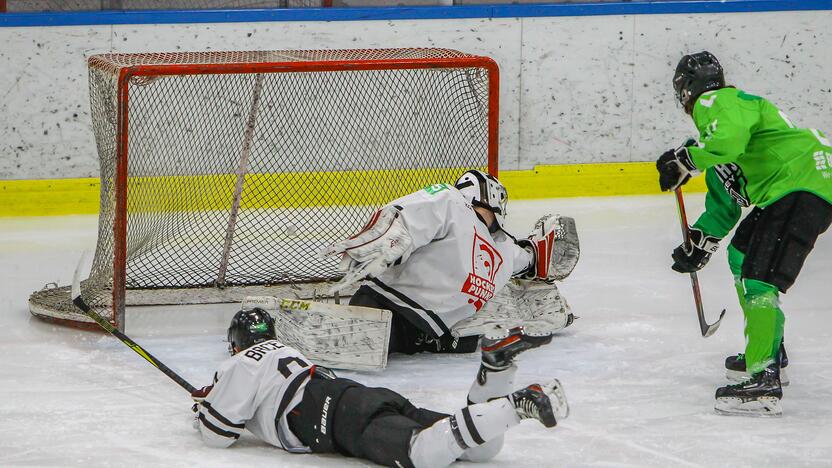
(249, 327)
(484, 190)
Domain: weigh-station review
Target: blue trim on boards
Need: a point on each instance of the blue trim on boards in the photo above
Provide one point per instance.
(406, 13)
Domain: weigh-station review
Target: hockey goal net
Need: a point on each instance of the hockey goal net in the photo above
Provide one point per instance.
(224, 174)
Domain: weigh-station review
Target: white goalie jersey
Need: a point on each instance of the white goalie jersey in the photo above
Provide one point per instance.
(254, 390)
(454, 264)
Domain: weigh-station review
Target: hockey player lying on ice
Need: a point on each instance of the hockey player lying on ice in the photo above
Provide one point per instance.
(272, 390)
(752, 154)
(438, 256)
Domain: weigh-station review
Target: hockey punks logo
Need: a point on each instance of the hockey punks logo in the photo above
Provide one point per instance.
(485, 263)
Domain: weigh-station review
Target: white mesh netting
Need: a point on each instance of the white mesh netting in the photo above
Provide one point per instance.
(240, 179)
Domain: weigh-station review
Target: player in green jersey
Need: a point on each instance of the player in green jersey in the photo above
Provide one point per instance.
(752, 155)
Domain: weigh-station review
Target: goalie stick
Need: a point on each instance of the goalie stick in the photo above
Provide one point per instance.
(706, 329)
(106, 325)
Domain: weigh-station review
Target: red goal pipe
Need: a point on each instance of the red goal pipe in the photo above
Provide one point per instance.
(493, 117)
(120, 222)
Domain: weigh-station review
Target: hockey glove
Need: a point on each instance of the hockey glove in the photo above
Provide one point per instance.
(554, 246)
(675, 168)
(702, 247)
(381, 243)
(200, 394)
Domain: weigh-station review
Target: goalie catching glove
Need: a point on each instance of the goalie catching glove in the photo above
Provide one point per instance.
(554, 246)
(384, 241)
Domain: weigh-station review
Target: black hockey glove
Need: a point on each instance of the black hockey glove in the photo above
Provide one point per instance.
(703, 246)
(675, 168)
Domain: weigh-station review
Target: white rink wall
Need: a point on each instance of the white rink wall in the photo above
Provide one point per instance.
(586, 89)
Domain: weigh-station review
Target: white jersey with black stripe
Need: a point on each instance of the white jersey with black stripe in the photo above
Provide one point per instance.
(250, 390)
(454, 264)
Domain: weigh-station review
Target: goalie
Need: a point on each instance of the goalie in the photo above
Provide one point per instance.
(438, 257)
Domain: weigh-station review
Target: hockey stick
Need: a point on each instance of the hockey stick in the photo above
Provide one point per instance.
(106, 325)
(707, 330)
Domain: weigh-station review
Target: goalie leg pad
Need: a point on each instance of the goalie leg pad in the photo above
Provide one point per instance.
(536, 306)
(331, 335)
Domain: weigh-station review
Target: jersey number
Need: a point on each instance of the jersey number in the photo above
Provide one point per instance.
(283, 365)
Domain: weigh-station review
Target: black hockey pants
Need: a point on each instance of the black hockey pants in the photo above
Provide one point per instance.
(407, 338)
(343, 416)
(777, 240)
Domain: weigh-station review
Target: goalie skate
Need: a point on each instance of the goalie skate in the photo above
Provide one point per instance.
(332, 335)
(536, 306)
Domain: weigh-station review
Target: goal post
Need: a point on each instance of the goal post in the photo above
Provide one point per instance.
(223, 174)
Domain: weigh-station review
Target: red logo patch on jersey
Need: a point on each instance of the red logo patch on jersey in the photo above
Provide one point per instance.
(485, 263)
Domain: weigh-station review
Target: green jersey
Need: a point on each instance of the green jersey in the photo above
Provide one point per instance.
(752, 154)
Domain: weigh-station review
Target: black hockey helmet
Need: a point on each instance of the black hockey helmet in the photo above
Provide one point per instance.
(694, 75)
(249, 327)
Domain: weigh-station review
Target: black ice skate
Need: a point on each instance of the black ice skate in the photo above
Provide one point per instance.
(545, 403)
(735, 367)
(499, 354)
(758, 396)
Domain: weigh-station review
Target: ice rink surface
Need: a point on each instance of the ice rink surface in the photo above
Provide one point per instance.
(638, 375)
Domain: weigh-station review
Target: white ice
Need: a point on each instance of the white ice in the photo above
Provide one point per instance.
(639, 377)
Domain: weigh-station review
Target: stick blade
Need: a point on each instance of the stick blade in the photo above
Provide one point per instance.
(712, 328)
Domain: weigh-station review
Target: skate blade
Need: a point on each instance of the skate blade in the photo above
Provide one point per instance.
(763, 407)
(560, 406)
(740, 377)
